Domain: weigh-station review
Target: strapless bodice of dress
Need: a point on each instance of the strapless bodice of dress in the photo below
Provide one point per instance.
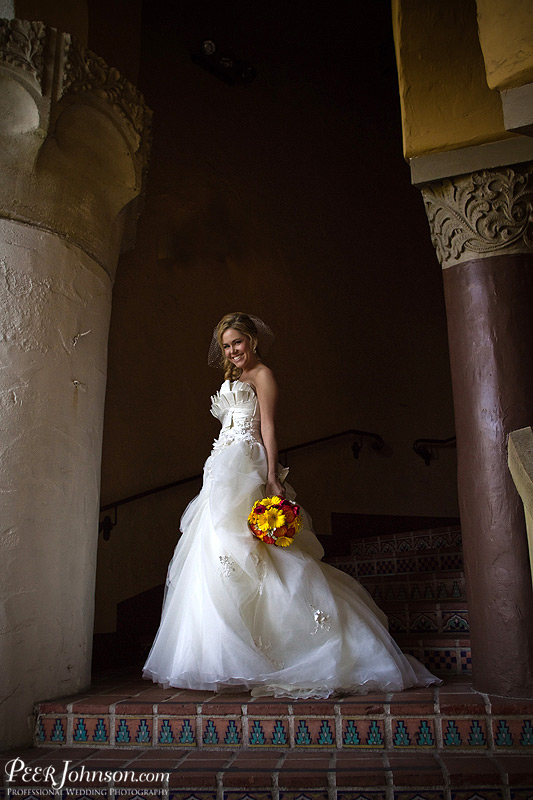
(235, 406)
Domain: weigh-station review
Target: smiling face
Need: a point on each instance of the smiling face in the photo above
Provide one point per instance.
(237, 348)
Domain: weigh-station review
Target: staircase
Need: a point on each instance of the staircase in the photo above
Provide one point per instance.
(441, 743)
(417, 579)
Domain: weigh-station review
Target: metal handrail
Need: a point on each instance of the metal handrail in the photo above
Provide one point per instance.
(424, 452)
(107, 524)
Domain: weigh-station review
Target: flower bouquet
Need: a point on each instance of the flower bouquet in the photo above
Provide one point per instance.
(275, 520)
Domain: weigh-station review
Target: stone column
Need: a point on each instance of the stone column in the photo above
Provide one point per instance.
(482, 229)
(74, 140)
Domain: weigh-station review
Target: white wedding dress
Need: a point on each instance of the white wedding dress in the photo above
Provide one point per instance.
(239, 613)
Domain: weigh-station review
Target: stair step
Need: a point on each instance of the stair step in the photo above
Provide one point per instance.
(311, 775)
(269, 775)
(442, 654)
(448, 585)
(428, 616)
(135, 714)
(415, 562)
(414, 541)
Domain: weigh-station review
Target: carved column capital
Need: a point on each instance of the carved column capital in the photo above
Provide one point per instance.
(85, 73)
(75, 138)
(482, 214)
(22, 46)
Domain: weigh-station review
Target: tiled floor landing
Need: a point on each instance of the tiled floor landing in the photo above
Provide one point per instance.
(132, 713)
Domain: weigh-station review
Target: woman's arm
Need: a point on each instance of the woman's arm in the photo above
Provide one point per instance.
(267, 395)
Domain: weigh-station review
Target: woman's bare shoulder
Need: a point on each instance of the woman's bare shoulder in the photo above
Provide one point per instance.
(263, 376)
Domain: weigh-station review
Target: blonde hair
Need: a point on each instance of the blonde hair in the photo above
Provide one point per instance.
(242, 323)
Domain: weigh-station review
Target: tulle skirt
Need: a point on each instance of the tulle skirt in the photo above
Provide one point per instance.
(239, 613)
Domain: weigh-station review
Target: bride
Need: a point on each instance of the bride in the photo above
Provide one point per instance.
(242, 614)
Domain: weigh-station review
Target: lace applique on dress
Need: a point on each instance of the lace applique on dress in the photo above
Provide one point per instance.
(227, 566)
(321, 621)
(264, 647)
(242, 430)
(261, 570)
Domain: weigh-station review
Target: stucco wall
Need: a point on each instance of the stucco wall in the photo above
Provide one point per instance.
(53, 335)
(446, 102)
(506, 37)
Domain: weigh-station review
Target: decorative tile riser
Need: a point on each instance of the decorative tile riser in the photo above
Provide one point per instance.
(362, 568)
(436, 586)
(407, 543)
(389, 731)
(427, 617)
(445, 658)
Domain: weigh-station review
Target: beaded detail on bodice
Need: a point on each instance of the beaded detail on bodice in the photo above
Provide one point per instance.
(237, 408)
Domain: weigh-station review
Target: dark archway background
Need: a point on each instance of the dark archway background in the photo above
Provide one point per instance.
(287, 196)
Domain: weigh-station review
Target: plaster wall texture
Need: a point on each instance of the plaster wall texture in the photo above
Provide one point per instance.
(445, 100)
(506, 37)
(53, 349)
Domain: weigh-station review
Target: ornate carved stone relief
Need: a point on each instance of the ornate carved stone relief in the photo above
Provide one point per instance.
(22, 45)
(484, 213)
(83, 175)
(83, 71)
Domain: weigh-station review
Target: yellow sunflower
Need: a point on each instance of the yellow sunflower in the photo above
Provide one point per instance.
(271, 519)
(283, 541)
(271, 501)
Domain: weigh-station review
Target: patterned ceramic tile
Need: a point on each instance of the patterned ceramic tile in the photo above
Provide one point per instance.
(422, 542)
(398, 622)
(52, 730)
(176, 731)
(477, 794)
(465, 660)
(365, 794)
(451, 561)
(403, 545)
(419, 794)
(363, 733)
(428, 563)
(386, 566)
(455, 621)
(464, 733)
(249, 794)
(312, 794)
(513, 733)
(268, 733)
(314, 732)
(441, 660)
(133, 731)
(91, 730)
(221, 732)
(413, 733)
(408, 564)
(366, 568)
(423, 622)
